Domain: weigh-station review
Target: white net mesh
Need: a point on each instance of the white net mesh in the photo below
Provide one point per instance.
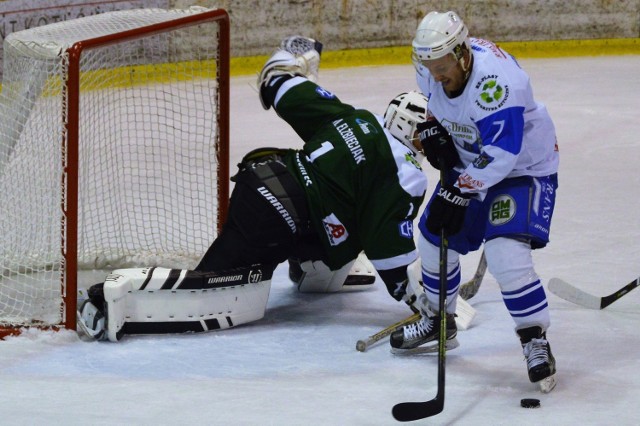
(148, 153)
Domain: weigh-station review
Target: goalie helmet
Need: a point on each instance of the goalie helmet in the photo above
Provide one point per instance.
(403, 114)
(439, 34)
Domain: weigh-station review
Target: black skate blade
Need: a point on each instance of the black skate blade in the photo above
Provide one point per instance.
(428, 349)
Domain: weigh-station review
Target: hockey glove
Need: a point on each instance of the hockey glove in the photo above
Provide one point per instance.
(401, 286)
(437, 143)
(403, 292)
(447, 211)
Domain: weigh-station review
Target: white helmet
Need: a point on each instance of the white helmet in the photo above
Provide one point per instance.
(438, 34)
(403, 114)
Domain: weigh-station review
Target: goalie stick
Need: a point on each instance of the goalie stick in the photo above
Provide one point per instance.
(573, 294)
(363, 345)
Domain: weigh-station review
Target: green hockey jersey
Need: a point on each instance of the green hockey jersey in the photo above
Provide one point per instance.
(364, 188)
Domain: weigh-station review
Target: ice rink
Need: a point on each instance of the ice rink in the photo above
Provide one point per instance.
(299, 366)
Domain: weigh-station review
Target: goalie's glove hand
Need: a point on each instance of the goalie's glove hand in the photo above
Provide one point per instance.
(437, 143)
(299, 45)
(297, 55)
(411, 292)
(404, 284)
(447, 211)
(400, 294)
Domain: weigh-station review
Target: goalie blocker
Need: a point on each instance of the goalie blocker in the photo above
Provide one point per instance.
(160, 300)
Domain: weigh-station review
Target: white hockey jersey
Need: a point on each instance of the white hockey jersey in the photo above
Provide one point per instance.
(499, 130)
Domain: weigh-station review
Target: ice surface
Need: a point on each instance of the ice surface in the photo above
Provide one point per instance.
(299, 366)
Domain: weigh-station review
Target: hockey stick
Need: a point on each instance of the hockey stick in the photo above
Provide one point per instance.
(568, 292)
(410, 411)
(363, 345)
(471, 287)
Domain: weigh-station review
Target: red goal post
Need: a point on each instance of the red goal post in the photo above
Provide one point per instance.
(114, 151)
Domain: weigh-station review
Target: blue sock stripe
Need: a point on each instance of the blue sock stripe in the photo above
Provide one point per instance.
(531, 311)
(453, 281)
(432, 281)
(515, 293)
(527, 300)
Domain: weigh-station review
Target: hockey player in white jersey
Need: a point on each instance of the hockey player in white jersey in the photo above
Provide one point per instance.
(499, 147)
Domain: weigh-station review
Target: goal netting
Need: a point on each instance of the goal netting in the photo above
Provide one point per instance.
(113, 152)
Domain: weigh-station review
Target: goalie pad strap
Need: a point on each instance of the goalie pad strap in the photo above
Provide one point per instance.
(174, 327)
(153, 278)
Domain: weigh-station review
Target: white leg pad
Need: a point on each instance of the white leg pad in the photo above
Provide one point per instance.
(361, 274)
(465, 313)
(159, 300)
(318, 278)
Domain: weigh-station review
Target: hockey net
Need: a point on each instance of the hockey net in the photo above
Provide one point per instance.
(113, 152)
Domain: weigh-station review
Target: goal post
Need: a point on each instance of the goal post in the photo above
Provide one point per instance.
(114, 151)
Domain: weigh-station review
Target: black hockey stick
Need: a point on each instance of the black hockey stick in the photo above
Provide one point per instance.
(568, 292)
(410, 411)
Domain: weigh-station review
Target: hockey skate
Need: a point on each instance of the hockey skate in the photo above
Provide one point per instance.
(91, 321)
(422, 336)
(541, 364)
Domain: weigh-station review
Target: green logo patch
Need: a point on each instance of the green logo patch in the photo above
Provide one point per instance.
(503, 209)
(491, 92)
(491, 95)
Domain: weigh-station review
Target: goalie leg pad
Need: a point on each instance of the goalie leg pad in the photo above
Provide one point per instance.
(362, 273)
(159, 300)
(316, 277)
(91, 320)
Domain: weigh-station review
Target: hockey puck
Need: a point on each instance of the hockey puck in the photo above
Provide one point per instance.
(530, 403)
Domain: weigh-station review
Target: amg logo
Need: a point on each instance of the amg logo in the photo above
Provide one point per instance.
(224, 279)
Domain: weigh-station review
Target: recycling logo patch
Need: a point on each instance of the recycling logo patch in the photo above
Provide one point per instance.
(492, 94)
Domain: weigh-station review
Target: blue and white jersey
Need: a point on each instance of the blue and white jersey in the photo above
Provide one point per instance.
(499, 130)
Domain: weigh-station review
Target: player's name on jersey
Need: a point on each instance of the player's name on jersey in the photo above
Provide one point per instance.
(350, 139)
